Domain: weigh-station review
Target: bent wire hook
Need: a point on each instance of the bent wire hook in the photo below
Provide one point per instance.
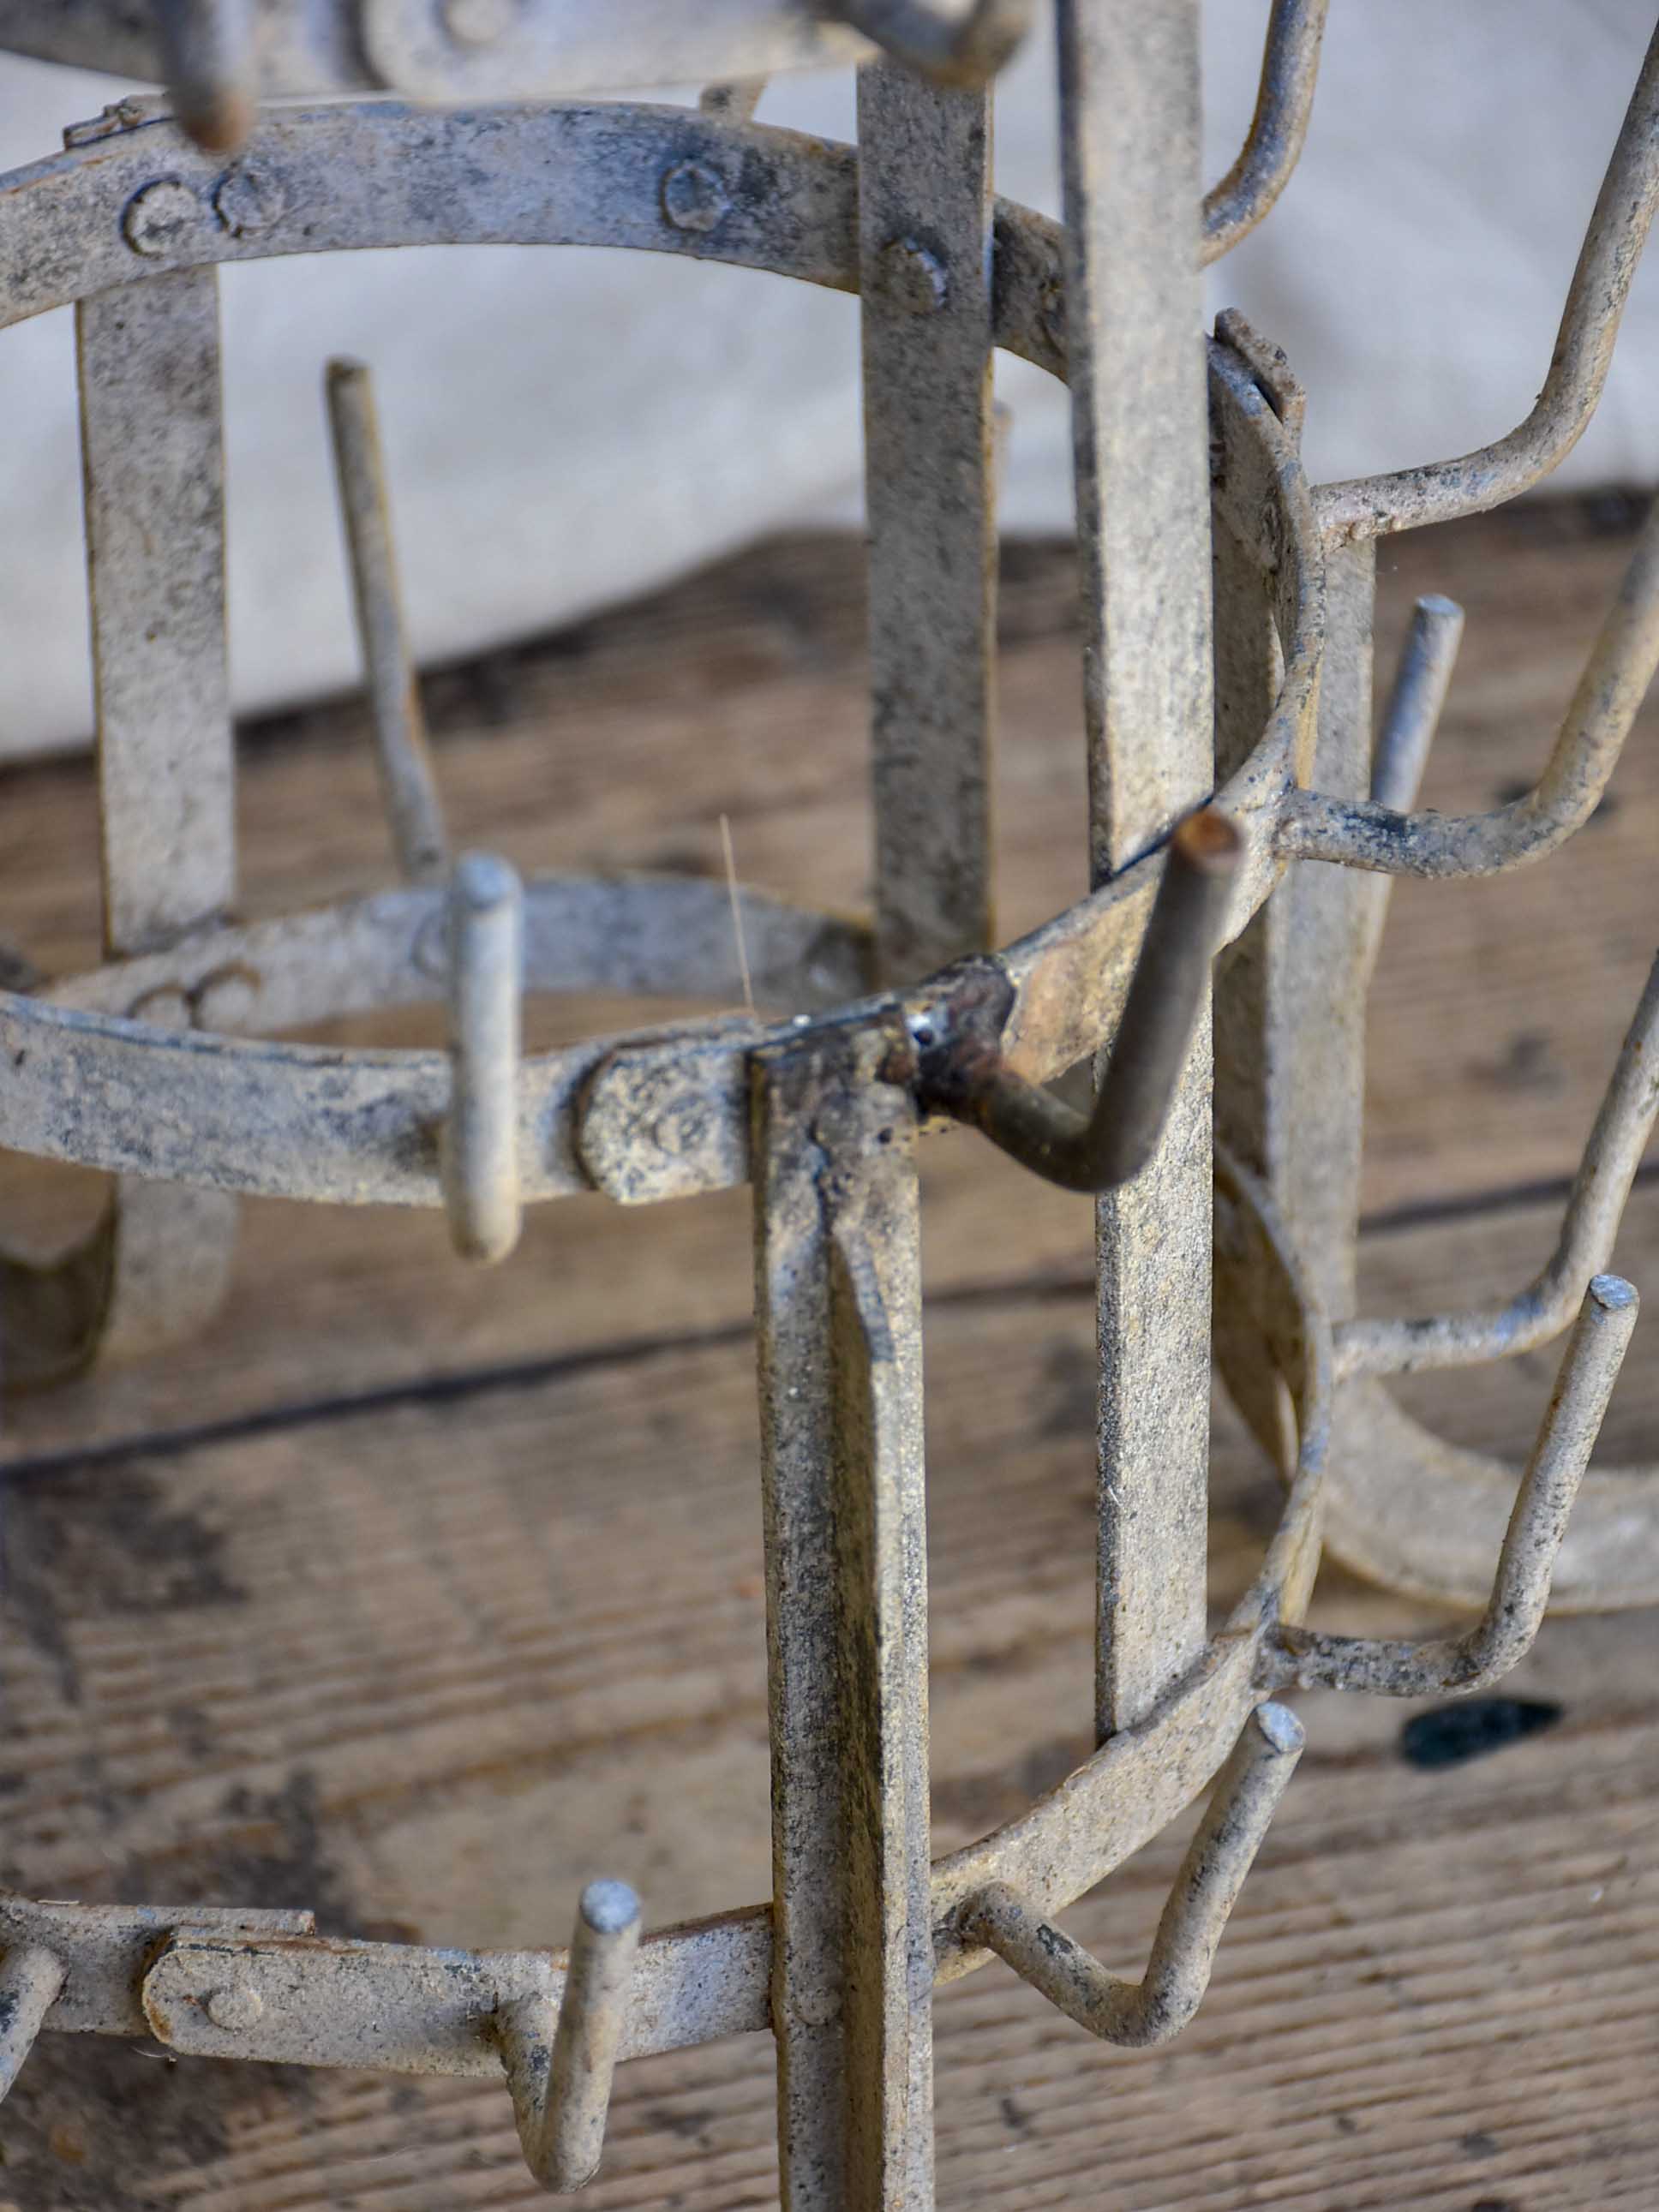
(1156, 2007)
(560, 2082)
(969, 1079)
(1456, 1665)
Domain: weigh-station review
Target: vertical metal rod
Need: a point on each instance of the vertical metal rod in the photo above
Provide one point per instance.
(1405, 736)
(209, 56)
(148, 355)
(930, 497)
(486, 990)
(1290, 1008)
(589, 2034)
(1316, 1056)
(1134, 194)
(30, 1979)
(152, 456)
(838, 1306)
(407, 781)
(1413, 714)
(1248, 987)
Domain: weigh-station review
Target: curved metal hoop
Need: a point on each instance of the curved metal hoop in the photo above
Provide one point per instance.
(567, 175)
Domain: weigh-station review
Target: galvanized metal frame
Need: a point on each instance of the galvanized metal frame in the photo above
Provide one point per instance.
(1222, 596)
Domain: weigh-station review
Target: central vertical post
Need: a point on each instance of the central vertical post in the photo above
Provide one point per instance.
(152, 455)
(924, 257)
(1129, 108)
(838, 1309)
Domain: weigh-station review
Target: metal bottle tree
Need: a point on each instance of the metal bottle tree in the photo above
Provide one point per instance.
(1237, 804)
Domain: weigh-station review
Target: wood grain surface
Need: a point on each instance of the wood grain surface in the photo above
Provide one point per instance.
(418, 1594)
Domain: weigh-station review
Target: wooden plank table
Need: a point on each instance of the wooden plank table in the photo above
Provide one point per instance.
(417, 1594)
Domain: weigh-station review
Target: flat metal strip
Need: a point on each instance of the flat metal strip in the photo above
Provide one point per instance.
(839, 1310)
(924, 234)
(1134, 194)
(152, 459)
(152, 453)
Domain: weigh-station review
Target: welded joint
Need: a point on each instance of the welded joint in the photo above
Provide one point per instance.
(1458, 1666)
(484, 918)
(962, 1072)
(1155, 2009)
(560, 2070)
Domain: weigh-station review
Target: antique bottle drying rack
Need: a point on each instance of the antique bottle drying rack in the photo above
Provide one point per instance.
(1237, 804)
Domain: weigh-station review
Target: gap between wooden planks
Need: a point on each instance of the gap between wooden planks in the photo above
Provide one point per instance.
(427, 1658)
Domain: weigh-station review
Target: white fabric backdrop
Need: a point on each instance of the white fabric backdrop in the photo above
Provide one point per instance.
(565, 428)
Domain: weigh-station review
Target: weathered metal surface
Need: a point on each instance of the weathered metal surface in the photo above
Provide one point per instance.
(210, 64)
(925, 216)
(560, 2070)
(480, 1149)
(955, 46)
(403, 2010)
(963, 1072)
(1129, 158)
(152, 458)
(218, 54)
(1367, 507)
(407, 782)
(1155, 2009)
(31, 1979)
(1323, 825)
(838, 1305)
(1520, 1591)
(1589, 1222)
(152, 453)
(818, 1103)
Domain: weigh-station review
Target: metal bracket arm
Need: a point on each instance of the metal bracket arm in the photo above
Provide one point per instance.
(1457, 1666)
(1155, 2009)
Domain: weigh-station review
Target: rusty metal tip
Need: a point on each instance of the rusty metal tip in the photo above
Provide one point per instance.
(1283, 1731)
(1211, 841)
(1613, 1293)
(609, 1906)
(222, 125)
(483, 880)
